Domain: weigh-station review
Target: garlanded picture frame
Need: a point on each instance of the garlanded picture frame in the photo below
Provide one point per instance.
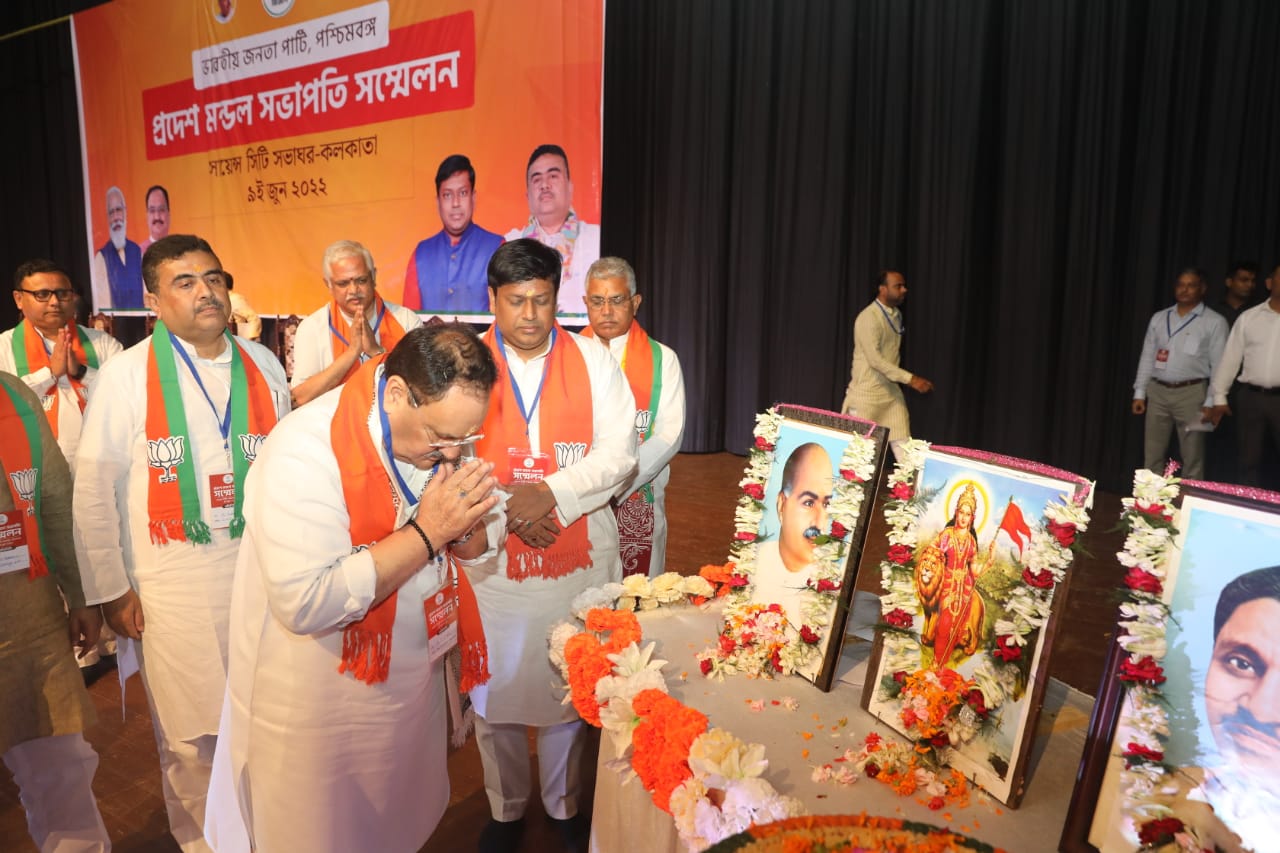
(792, 568)
(988, 615)
(1178, 754)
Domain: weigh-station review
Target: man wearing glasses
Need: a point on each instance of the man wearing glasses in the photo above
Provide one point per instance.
(653, 372)
(170, 433)
(560, 432)
(55, 357)
(355, 325)
(347, 603)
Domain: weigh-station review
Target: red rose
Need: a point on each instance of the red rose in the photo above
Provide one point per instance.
(936, 803)
(1042, 579)
(1141, 580)
(1145, 671)
(838, 530)
(727, 645)
(1006, 649)
(1154, 833)
(809, 635)
(898, 618)
(1141, 753)
(1153, 510)
(761, 444)
(900, 676)
(940, 739)
(1064, 532)
(705, 666)
(754, 490)
(846, 474)
(824, 585)
(775, 608)
(900, 554)
(745, 536)
(902, 491)
(976, 701)
(737, 581)
(775, 661)
(872, 769)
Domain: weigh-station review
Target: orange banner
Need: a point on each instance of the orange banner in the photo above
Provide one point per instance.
(276, 127)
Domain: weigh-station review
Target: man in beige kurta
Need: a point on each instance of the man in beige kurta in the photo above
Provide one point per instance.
(43, 703)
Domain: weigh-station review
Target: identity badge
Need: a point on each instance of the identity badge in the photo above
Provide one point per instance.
(442, 622)
(15, 556)
(222, 500)
(528, 467)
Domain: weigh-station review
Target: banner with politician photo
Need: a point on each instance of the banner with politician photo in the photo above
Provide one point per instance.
(429, 132)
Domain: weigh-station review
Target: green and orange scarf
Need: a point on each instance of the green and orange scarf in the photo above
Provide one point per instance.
(389, 330)
(22, 455)
(29, 355)
(173, 496)
(565, 422)
(367, 490)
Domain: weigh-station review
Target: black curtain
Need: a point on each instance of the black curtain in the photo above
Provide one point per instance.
(1040, 171)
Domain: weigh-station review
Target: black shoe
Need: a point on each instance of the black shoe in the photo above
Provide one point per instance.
(501, 836)
(574, 832)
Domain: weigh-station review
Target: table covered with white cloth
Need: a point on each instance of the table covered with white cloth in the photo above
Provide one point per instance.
(825, 725)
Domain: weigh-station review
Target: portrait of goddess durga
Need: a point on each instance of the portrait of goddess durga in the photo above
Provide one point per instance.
(946, 576)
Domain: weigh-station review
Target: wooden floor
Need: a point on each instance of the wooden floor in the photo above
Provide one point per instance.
(700, 501)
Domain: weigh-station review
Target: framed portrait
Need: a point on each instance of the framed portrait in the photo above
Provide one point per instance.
(980, 548)
(802, 521)
(1184, 743)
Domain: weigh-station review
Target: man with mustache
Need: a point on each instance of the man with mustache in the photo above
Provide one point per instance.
(354, 326)
(157, 199)
(173, 426)
(117, 266)
(553, 222)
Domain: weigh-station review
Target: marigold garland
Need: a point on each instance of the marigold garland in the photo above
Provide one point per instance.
(661, 743)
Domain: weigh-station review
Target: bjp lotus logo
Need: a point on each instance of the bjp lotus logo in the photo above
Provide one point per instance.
(569, 452)
(250, 445)
(166, 454)
(24, 483)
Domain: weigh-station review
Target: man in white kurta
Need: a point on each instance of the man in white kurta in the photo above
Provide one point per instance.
(356, 323)
(174, 597)
(318, 760)
(517, 613)
(47, 320)
(640, 504)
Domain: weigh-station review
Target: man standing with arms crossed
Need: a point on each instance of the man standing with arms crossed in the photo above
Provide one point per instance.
(559, 429)
(653, 372)
(169, 436)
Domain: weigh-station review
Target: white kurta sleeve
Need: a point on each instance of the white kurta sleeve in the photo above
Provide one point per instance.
(309, 347)
(1228, 367)
(657, 452)
(111, 422)
(107, 348)
(589, 484)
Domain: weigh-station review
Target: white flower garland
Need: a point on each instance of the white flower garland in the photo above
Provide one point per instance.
(857, 466)
(1026, 609)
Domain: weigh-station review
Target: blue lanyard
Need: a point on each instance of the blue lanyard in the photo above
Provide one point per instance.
(377, 321)
(224, 420)
(888, 319)
(527, 414)
(386, 443)
(1168, 326)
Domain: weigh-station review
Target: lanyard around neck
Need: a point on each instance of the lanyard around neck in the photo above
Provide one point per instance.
(386, 443)
(377, 321)
(224, 419)
(1168, 325)
(900, 327)
(527, 414)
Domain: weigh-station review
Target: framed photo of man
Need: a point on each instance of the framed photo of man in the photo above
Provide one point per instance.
(979, 551)
(816, 503)
(1184, 744)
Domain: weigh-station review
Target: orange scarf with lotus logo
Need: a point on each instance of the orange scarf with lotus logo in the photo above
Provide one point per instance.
(21, 453)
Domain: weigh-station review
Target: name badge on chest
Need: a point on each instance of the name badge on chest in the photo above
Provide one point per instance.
(528, 467)
(15, 556)
(442, 622)
(222, 500)
(1162, 359)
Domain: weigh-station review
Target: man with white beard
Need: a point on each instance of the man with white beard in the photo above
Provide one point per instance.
(117, 266)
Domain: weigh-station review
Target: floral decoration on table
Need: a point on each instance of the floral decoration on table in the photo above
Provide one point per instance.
(900, 766)
(709, 781)
(1148, 517)
(941, 708)
(860, 833)
(757, 640)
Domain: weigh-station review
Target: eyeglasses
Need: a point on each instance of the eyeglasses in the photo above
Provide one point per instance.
(442, 445)
(358, 281)
(599, 301)
(64, 295)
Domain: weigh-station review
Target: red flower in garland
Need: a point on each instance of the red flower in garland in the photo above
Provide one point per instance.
(705, 666)
(937, 803)
(849, 475)
(1006, 649)
(754, 490)
(809, 635)
(900, 554)
(727, 644)
(1145, 671)
(838, 530)
(872, 769)
(977, 702)
(900, 676)
(1153, 510)
(1064, 532)
(745, 536)
(902, 492)
(737, 581)
(898, 618)
(824, 585)
(1154, 833)
(775, 661)
(1140, 580)
(1042, 579)
(940, 739)
(1135, 753)
(761, 444)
